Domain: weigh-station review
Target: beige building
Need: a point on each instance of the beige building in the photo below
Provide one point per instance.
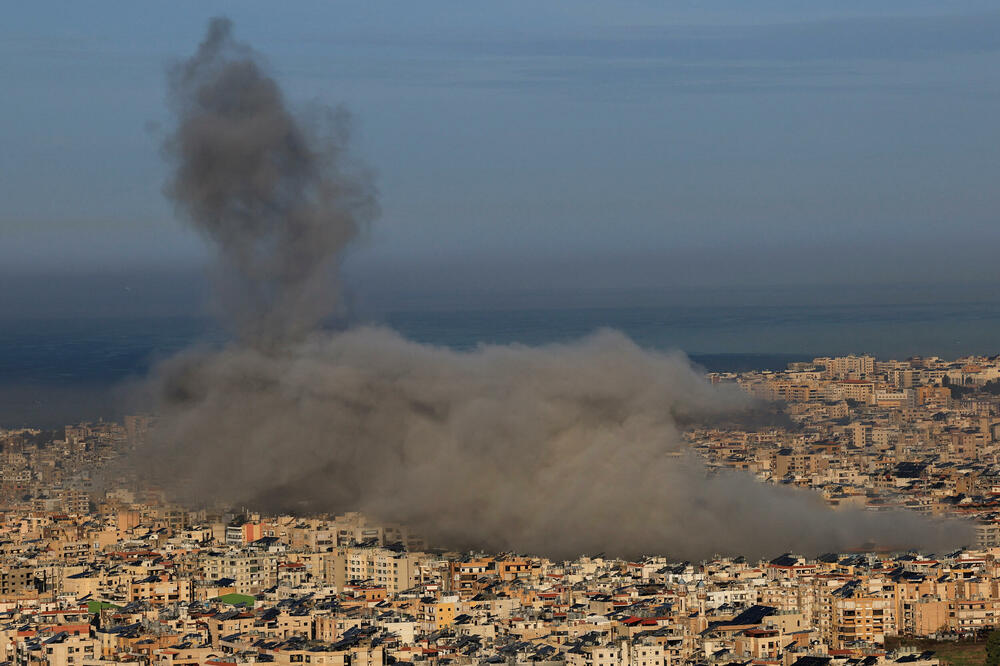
(70, 650)
(17, 581)
(855, 367)
(252, 572)
(380, 566)
(866, 619)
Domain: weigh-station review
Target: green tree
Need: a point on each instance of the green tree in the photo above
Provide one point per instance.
(993, 649)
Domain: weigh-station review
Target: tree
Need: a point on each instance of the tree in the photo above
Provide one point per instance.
(993, 649)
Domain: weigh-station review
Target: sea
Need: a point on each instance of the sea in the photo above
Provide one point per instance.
(57, 370)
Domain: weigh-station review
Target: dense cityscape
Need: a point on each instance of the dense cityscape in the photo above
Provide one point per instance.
(368, 334)
(98, 568)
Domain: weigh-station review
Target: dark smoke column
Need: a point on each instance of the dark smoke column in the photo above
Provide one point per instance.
(278, 199)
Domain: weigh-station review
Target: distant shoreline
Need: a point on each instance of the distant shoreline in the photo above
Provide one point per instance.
(55, 370)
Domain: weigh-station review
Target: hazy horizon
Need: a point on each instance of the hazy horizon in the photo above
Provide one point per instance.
(187, 293)
(568, 158)
(567, 147)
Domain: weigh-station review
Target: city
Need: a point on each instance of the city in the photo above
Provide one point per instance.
(98, 570)
(464, 333)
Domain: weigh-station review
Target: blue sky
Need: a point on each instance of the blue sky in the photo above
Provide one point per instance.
(520, 144)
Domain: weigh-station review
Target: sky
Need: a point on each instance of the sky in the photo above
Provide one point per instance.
(527, 145)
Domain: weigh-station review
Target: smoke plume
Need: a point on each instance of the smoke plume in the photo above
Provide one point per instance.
(562, 449)
(279, 199)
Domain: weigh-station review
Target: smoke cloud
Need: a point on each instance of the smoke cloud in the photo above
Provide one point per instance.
(278, 198)
(560, 450)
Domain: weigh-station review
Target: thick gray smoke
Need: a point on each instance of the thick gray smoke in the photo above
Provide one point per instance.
(278, 198)
(562, 449)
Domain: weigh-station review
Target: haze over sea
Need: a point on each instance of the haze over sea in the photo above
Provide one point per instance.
(68, 354)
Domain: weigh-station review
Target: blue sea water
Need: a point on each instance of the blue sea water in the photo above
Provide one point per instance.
(741, 334)
(56, 370)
